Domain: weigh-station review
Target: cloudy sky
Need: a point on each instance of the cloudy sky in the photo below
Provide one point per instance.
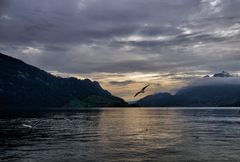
(124, 44)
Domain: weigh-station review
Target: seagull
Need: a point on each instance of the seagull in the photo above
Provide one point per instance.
(142, 91)
(30, 126)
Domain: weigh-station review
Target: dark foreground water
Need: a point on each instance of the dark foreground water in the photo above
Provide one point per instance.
(122, 135)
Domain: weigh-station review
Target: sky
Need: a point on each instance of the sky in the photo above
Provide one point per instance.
(124, 44)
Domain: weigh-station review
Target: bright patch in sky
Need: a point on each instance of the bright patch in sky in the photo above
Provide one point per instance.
(31, 51)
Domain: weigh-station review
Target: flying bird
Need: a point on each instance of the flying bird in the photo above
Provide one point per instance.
(31, 126)
(142, 91)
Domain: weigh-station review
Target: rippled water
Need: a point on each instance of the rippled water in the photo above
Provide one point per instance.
(122, 135)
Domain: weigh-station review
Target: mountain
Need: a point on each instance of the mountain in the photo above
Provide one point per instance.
(222, 74)
(23, 85)
(219, 90)
(160, 100)
(210, 95)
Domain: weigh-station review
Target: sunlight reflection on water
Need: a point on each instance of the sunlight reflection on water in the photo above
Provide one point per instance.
(122, 135)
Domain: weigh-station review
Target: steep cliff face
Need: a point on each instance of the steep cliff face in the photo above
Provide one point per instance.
(23, 85)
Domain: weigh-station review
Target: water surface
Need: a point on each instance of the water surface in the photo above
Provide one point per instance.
(134, 134)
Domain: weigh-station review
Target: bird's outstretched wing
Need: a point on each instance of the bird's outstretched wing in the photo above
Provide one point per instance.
(142, 91)
(145, 87)
(27, 126)
(137, 94)
(36, 123)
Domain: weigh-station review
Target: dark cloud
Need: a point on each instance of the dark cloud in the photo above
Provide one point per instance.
(3, 5)
(85, 36)
(122, 83)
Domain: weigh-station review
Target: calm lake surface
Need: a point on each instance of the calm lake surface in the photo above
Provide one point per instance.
(134, 134)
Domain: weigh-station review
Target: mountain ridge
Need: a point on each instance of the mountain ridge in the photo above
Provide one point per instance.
(220, 90)
(23, 85)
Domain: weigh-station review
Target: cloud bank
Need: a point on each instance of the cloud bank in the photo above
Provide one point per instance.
(86, 37)
(125, 36)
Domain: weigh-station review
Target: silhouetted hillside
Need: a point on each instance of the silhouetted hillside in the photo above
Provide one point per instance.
(23, 85)
(160, 99)
(210, 95)
(220, 90)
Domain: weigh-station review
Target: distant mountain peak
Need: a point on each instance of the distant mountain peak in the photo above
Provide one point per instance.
(220, 89)
(222, 74)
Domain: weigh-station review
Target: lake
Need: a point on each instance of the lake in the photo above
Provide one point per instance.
(122, 134)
